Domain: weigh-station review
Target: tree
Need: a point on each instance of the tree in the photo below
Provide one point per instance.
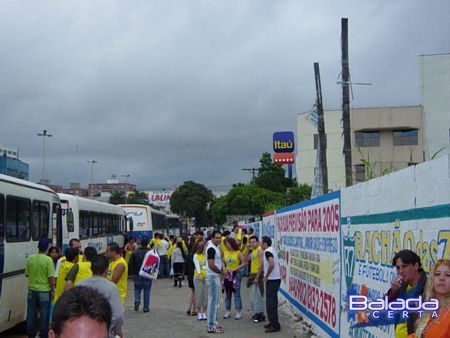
(271, 176)
(246, 199)
(191, 199)
(298, 194)
(118, 197)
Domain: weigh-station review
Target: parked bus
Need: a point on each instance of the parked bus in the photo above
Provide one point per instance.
(143, 220)
(28, 212)
(95, 223)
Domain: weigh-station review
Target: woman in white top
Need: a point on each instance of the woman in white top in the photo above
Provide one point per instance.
(178, 258)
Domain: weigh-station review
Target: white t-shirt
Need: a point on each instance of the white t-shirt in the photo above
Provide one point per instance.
(212, 249)
(275, 274)
(162, 250)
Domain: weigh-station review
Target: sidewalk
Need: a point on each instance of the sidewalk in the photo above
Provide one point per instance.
(167, 317)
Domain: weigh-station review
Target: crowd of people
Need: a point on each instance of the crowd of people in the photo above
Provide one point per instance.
(211, 264)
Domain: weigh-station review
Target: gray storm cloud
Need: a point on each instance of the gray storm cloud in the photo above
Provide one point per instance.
(171, 91)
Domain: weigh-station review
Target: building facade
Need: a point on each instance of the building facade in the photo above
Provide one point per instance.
(435, 87)
(383, 139)
(11, 165)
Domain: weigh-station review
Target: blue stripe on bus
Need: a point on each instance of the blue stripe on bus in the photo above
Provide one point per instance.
(140, 234)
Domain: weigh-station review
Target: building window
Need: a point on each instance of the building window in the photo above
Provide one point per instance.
(360, 173)
(367, 138)
(405, 137)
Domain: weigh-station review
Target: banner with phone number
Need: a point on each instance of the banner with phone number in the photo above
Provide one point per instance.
(308, 243)
(369, 244)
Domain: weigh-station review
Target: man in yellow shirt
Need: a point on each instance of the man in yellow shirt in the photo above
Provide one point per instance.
(256, 255)
(118, 269)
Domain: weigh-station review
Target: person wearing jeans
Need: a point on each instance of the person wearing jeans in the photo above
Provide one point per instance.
(140, 283)
(233, 261)
(41, 284)
(272, 278)
(213, 273)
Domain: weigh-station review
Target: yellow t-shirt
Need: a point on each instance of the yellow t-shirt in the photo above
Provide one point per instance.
(122, 282)
(231, 259)
(254, 263)
(202, 262)
(64, 268)
(84, 272)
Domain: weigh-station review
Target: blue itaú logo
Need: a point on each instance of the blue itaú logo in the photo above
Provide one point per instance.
(283, 142)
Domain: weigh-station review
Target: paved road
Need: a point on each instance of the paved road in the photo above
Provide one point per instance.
(167, 317)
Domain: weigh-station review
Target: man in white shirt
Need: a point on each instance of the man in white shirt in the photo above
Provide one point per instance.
(163, 256)
(214, 271)
(272, 279)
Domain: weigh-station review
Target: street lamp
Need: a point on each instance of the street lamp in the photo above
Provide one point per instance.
(44, 135)
(92, 174)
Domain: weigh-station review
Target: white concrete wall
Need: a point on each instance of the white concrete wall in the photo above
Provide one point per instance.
(408, 209)
(435, 86)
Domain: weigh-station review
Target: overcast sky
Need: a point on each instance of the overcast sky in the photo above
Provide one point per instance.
(169, 91)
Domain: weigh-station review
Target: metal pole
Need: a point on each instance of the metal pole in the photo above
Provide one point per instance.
(347, 150)
(321, 130)
(44, 135)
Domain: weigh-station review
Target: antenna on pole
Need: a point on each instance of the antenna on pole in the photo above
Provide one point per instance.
(252, 170)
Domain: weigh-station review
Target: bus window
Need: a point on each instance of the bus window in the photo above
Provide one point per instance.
(69, 221)
(2, 217)
(84, 224)
(103, 223)
(18, 212)
(40, 220)
(94, 224)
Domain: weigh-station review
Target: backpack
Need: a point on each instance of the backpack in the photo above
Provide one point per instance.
(150, 265)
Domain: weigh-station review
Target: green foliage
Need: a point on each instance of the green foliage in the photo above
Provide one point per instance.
(299, 194)
(246, 199)
(118, 197)
(191, 199)
(436, 154)
(271, 176)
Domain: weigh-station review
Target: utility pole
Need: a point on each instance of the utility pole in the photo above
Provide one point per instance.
(321, 130)
(347, 150)
(252, 170)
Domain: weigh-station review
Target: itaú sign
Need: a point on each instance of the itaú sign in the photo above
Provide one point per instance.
(283, 142)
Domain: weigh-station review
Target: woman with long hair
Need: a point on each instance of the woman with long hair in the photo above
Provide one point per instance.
(54, 253)
(201, 291)
(178, 260)
(438, 286)
(233, 261)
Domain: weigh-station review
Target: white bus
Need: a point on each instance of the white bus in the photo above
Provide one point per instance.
(28, 213)
(95, 223)
(143, 220)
